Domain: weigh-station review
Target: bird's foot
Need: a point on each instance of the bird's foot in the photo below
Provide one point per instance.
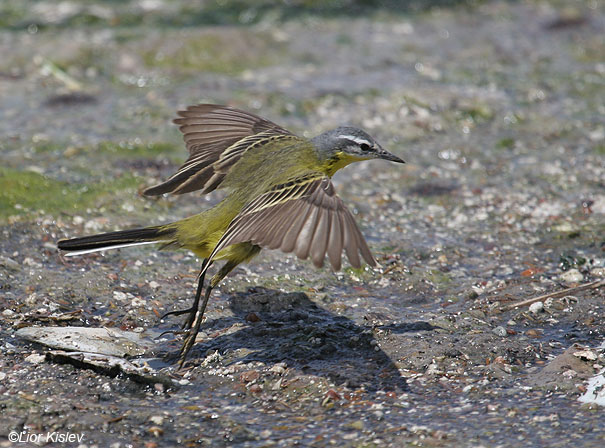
(176, 313)
(186, 347)
(189, 341)
(188, 323)
(174, 332)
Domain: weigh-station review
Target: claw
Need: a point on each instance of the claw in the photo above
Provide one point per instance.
(189, 322)
(176, 313)
(175, 332)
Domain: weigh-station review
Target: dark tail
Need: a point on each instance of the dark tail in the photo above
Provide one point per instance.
(113, 240)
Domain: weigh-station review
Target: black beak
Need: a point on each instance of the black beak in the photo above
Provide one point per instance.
(386, 155)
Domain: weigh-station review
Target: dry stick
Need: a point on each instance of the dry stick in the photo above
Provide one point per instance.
(595, 284)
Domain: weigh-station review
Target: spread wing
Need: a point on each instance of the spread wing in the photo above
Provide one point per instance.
(304, 216)
(216, 137)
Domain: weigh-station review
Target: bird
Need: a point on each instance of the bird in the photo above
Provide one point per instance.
(279, 195)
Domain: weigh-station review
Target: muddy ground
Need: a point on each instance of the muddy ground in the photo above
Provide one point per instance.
(497, 108)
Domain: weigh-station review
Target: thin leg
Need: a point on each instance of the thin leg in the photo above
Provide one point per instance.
(195, 327)
(194, 330)
(196, 301)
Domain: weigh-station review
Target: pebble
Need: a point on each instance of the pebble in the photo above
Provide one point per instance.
(278, 368)
(597, 272)
(35, 358)
(536, 307)
(499, 331)
(589, 355)
(119, 295)
(156, 419)
(265, 434)
(9, 263)
(571, 276)
(156, 431)
(249, 376)
(255, 389)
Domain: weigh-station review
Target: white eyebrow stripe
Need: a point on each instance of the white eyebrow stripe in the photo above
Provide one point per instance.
(358, 140)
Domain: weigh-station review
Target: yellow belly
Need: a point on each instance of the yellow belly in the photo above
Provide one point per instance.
(238, 253)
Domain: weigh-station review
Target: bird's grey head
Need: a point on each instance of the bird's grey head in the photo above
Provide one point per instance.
(352, 142)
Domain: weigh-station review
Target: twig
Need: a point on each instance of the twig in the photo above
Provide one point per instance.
(592, 285)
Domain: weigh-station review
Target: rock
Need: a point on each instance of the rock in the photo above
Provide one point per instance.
(556, 374)
(35, 358)
(536, 307)
(499, 331)
(156, 420)
(587, 355)
(9, 263)
(597, 272)
(571, 276)
(108, 341)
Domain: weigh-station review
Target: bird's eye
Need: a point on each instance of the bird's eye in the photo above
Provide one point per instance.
(365, 147)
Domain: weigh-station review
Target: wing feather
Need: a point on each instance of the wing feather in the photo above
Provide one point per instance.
(350, 241)
(216, 137)
(318, 250)
(335, 243)
(291, 234)
(305, 236)
(304, 216)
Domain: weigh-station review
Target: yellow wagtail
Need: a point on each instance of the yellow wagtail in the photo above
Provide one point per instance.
(279, 196)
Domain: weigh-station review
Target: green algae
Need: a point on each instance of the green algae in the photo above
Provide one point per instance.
(27, 192)
(125, 149)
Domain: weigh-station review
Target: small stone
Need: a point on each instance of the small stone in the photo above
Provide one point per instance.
(278, 368)
(249, 376)
(119, 295)
(255, 389)
(8, 313)
(265, 434)
(433, 369)
(499, 331)
(35, 358)
(156, 431)
(252, 317)
(571, 373)
(588, 355)
(332, 394)
(571, 276)
(493, 407)
(137, 302)
(533, 333)
(597, 272)
(9, 263)
(536, 307)
(153, 284)
(156, 420)
(358, 424)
